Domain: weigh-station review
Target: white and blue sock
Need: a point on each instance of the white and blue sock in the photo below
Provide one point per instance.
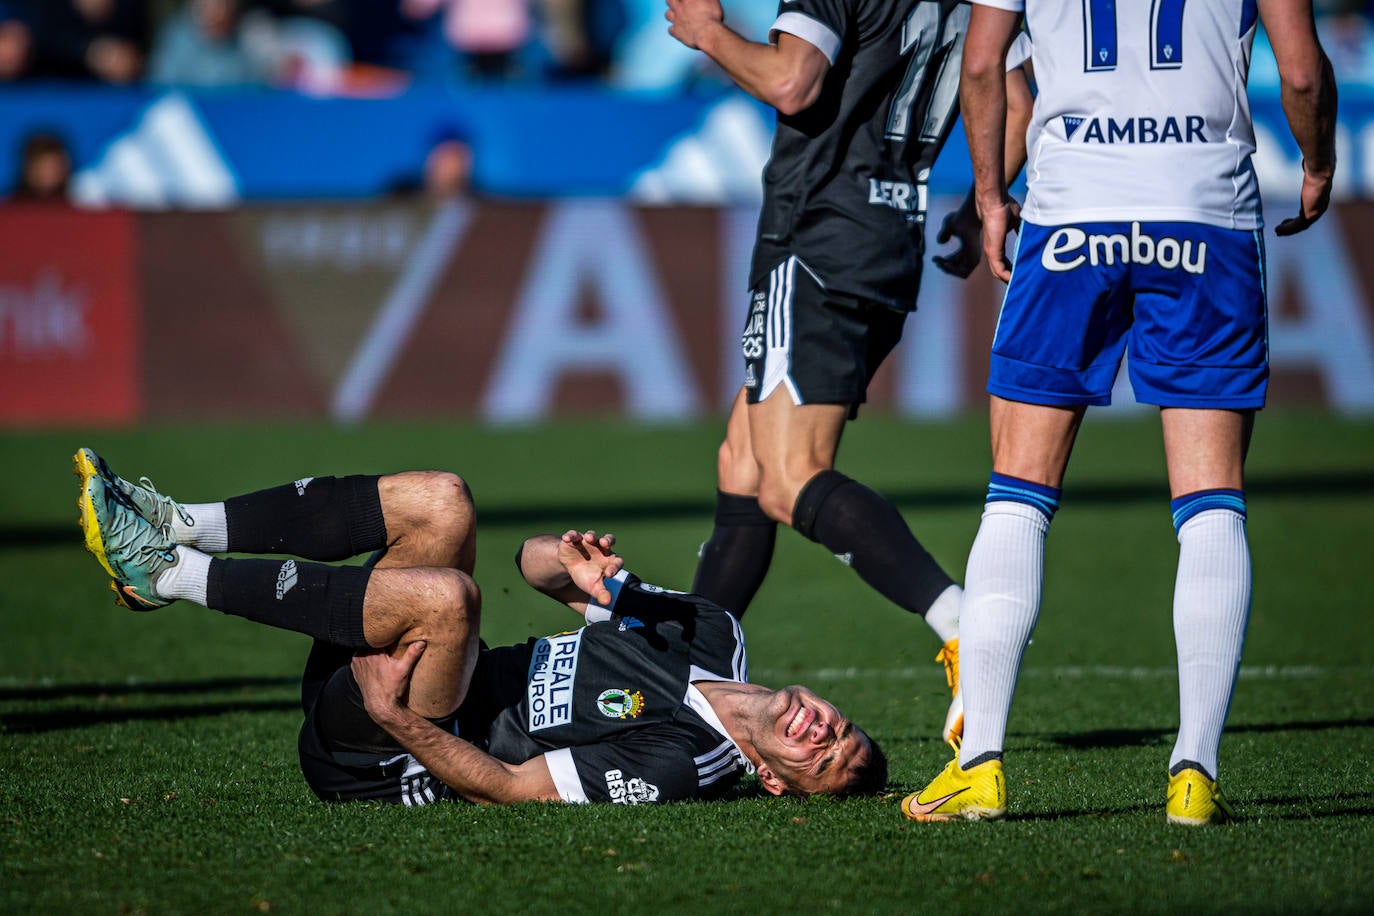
(1211, 608)
(1002, 590)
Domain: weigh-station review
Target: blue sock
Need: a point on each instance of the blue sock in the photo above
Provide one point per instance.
(1002, 488)
(1190, 504)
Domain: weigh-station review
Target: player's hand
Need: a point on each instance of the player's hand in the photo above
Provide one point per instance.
(999, 220)
(1315, 198)
(384, 679)
(691, 19)
(589, 560)
(965, 228)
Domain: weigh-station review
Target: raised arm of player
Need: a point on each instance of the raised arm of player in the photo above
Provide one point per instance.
(571, 568)
(983, 101)
(473, 774)
(963, 225)
(786, 74)
(1308, 88)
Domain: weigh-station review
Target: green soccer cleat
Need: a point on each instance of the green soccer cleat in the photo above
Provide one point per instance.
(976, 794)
(1195, 801)
(147, 501)
(127, 545)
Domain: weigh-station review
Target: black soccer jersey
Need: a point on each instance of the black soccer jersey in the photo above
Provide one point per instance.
(612, 706)
(845, 189)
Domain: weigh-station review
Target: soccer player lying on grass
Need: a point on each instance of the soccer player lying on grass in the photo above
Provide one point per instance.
(648, 702)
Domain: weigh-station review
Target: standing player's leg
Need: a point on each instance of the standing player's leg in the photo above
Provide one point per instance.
(1205, 450)
(1199, 350)
(1031, 444)
(795, 447)
(735, 559)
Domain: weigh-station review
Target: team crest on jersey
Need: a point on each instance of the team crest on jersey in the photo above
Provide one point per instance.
(620, 704)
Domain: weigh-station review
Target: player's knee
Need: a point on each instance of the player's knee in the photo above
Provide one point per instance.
(449, 501)
(453, 606)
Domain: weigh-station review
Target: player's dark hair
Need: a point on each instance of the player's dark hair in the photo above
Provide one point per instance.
(871, 777)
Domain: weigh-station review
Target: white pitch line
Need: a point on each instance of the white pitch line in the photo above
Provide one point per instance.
(1076, 672)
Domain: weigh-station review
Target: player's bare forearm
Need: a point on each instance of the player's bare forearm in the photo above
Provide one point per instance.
(473, 774)
(384, 682)
(1308, 92)
(571, 568)
(983, 99)
(787, 75)
(1020, 106)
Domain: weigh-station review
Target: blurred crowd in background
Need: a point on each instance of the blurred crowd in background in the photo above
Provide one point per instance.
(378, 46)
(354, 47)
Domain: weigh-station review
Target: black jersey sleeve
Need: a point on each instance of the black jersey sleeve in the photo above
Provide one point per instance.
(823, 23)
(661, 763)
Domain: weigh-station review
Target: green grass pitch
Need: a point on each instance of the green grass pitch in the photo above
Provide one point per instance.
(147, 761)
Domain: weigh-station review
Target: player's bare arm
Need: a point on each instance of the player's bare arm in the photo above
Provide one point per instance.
(1309, 102)
(787, 74)
(477, 776)
(983, 99)
(572, 567)
(962, 226)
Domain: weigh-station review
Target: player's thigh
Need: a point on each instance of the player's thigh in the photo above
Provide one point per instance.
(1064, 321)
(812, 346)
(1200, 338)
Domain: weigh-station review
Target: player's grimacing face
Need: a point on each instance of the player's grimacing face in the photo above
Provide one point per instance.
(813, 747)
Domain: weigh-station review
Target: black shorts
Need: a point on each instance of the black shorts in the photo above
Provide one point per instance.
(344, 755)
(821, 347)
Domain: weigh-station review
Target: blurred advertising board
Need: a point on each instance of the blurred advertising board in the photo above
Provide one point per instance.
(512, 312)
(69, 317)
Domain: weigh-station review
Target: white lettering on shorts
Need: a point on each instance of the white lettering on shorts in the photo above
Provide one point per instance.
(1069, 248)
(632, 791)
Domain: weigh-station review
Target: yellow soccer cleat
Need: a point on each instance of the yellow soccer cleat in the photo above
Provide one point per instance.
(954, 718)
(1195, 801)
(90, 505)
(976, 794)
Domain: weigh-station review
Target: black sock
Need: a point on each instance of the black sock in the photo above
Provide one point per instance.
(851, 520)
(319, 518)
(736, 558)
(322, 601)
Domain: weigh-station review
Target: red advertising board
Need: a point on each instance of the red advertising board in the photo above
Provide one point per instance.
(68, 322)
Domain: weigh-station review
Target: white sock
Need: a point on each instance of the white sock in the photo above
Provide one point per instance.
(943, 615)
(1001, 603)
(188, 579)
(207, 530)
(1211, 607)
